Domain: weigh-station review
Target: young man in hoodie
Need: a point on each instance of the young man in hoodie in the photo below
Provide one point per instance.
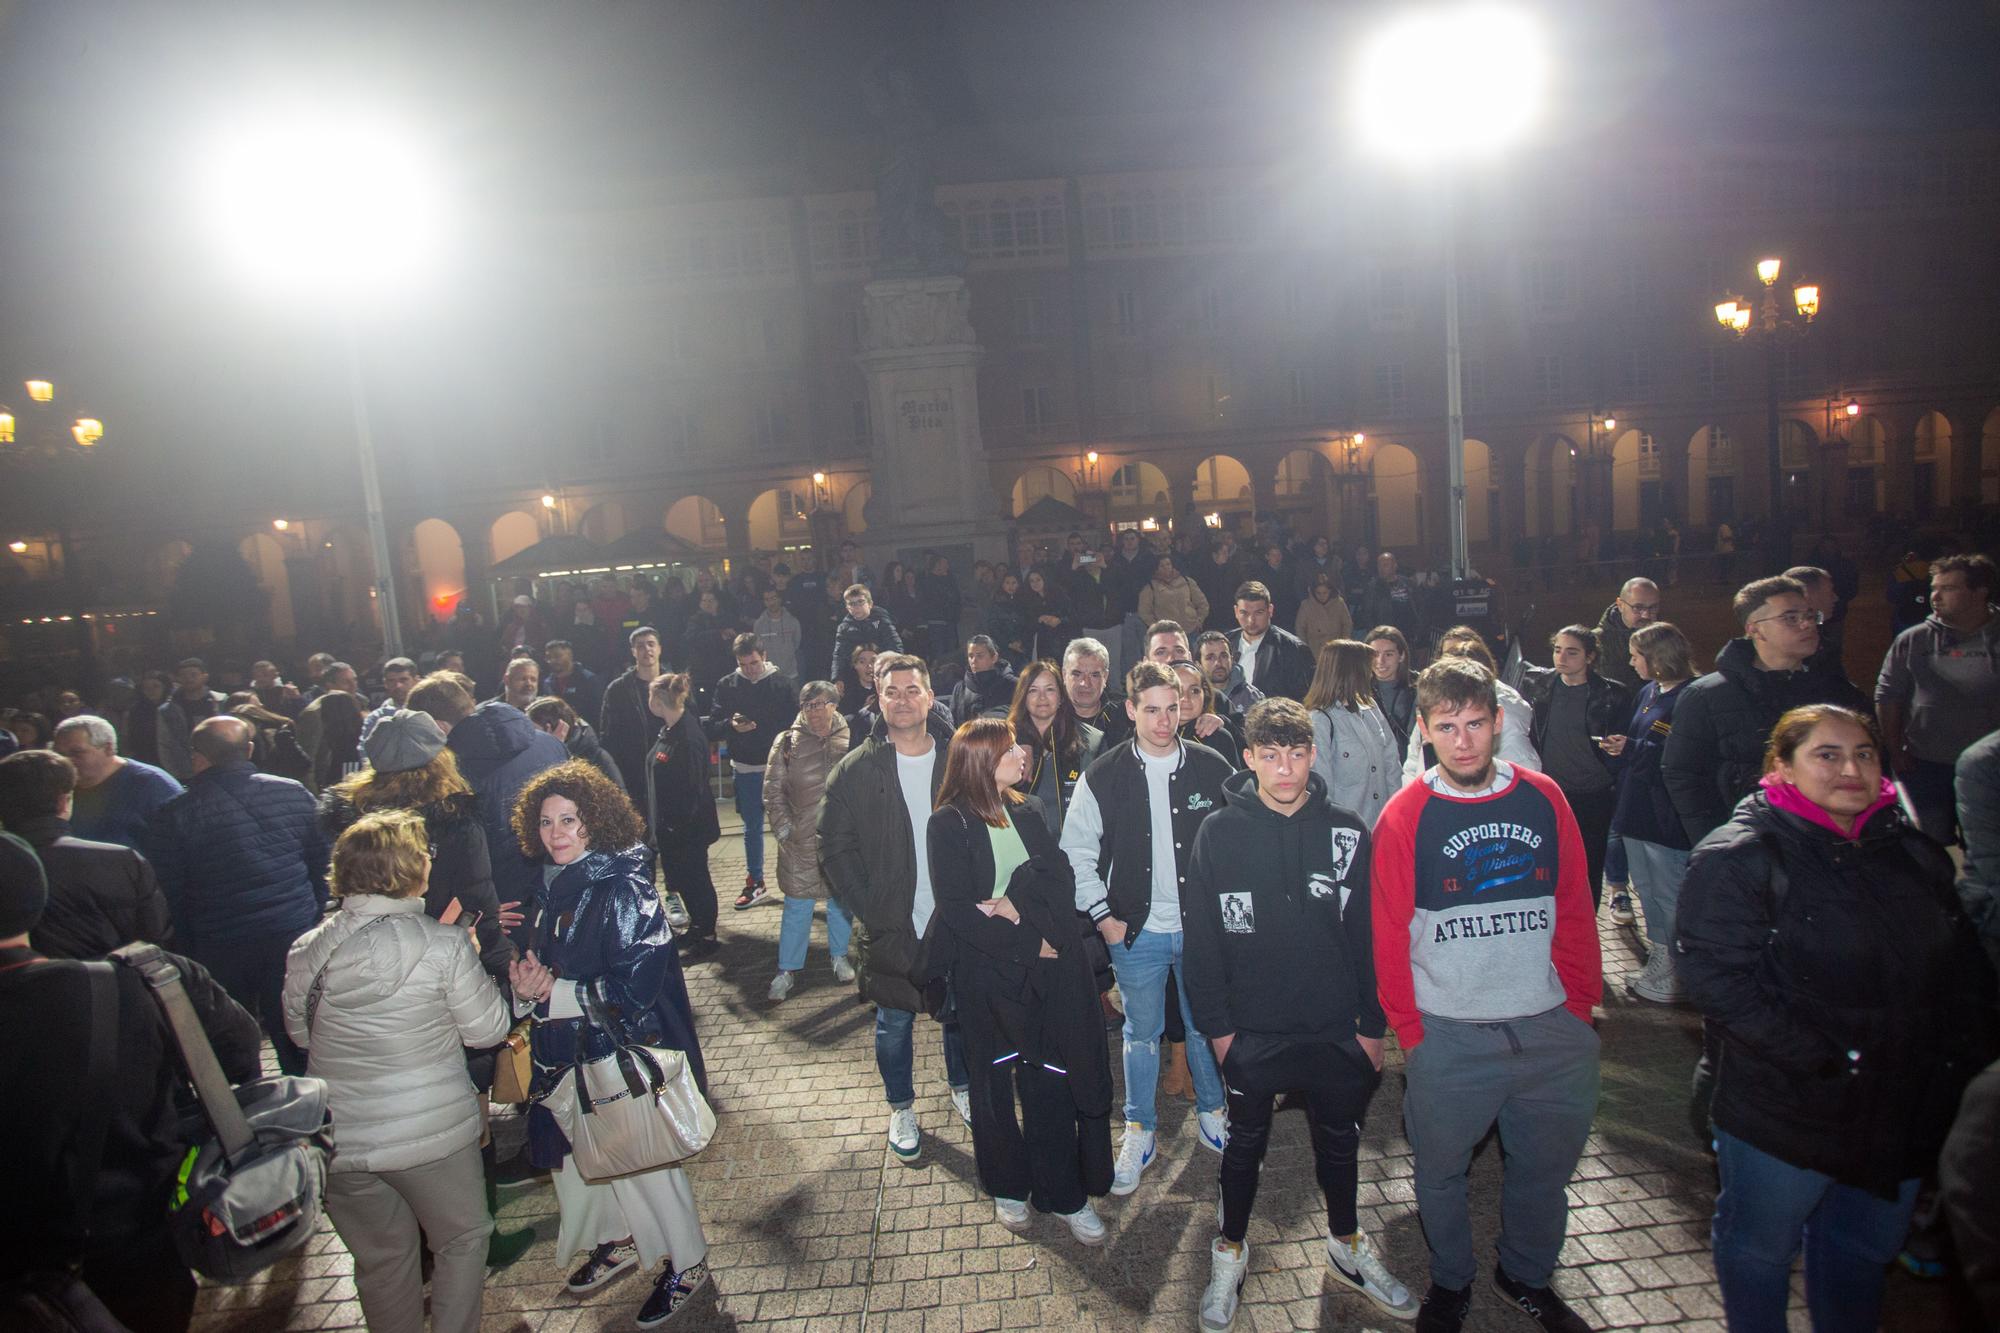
(1939, 690)
(1281, 976)
(1487, 963)
(1129, 837)
(752, 705)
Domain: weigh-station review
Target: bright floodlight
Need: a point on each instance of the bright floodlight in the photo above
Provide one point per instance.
(336, 204)
(1450, 81)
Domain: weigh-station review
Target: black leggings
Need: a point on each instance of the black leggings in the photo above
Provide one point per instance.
(1593, 811)
(1337, 1081)
(685, 869)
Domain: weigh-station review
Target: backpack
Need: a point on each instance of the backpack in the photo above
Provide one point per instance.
(252, 1194)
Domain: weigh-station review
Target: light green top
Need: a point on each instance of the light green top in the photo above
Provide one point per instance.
(1009, 854)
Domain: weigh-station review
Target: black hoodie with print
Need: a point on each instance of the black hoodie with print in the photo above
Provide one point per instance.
(1276, 913)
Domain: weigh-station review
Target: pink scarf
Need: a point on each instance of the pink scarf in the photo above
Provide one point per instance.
(1784, 796)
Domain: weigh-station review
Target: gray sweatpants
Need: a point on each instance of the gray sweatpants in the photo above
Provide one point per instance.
(1538, 1077)
(377, 1214)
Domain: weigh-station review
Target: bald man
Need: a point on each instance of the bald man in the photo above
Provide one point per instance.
(1637, 605)
(242, 862)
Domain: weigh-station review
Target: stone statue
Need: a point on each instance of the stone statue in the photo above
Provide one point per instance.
(915, 240)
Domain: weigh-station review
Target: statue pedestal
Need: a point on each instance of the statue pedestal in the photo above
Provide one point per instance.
(928, 467)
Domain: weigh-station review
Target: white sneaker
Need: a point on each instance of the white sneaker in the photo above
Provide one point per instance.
(961, 1098)
(677, 913)
(1012, 1214)
(1135, 1154)
(842, 969)
(1621, 904)
(1213, 1126)
(1086, 1225)
(1355, 1265)
(905, 1139)
(781, 986)
(1226, 1264)
(1657, 982)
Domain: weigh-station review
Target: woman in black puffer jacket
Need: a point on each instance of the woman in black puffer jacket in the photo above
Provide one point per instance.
(1819, 934)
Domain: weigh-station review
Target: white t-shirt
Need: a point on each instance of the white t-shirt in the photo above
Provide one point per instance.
(1249, 662)
(1165, 918)
(914, 775)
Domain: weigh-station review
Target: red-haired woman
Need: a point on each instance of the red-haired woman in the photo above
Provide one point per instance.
(1026, 989)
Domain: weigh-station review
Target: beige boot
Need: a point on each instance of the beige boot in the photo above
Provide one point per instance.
(1175, 1079)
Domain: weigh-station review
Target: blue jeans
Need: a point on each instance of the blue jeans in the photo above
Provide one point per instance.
(1142, 981)
(795, 932)
(1657, 875)
(1766, 1207)
(1616, 868)
(896, 1056)
(750, 805)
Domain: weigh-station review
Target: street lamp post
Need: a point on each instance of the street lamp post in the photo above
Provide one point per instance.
(1771, 322)
(1439, 87)
(36, 438)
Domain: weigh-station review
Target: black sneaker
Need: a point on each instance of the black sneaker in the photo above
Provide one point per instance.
(606, 1262)
(671, 1294)
(699, 948)
(1540, 1304)
(1444, 1309)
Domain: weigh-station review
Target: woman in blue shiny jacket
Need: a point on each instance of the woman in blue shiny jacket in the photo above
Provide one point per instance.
(601, 929)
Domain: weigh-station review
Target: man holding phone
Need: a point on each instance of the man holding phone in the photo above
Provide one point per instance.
(752, 704)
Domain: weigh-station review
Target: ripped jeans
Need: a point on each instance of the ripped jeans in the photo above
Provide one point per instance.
(1142, 981)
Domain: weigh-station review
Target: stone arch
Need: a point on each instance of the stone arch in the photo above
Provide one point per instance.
(1989, 459)
(1139, 491)
(1930, 479)
(512, 533)
(608, 521)
(778, 518)
(1039, 482)
(266, 557)
(854, 506)
(1395, 483)
(160, 565)
(1304, 486)
(440, 566)
(1223, 483)
(1552, 493)
(1482, 493)
(1629, 452)
(1713, 469)
(698, 520)
(1866, 485)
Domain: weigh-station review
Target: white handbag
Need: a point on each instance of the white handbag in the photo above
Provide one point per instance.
(634, 1110)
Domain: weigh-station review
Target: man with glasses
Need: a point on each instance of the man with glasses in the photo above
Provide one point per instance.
(1939, 689)
(1636, 606)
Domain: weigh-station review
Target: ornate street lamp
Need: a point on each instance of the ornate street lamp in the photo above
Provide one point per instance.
(1772, 322)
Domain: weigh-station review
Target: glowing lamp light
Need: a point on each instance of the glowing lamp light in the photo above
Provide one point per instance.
(819, 478)
(1806, 297)
(1359, 438)
(1853, 408)
(6, 427)
(1611, 423)
(548, 502)
(1090, 457)
(1725, 312)
(282, 524)
(41, 390)
(1149, 524)
(87, 431)
(1767, 271)
(18, 547)
(1449, 81)
(1740, 321)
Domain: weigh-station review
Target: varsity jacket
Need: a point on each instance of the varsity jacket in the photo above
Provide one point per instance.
(1277, 922)
(1108, 835)
(1482, 907)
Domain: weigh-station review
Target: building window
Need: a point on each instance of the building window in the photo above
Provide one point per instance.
(1472, 385)
(1298, 392)
(1125, 314)
(1547, 282)
(774, 429)
(1635, 285)
(858, 425)
(1794, 370)
(1389, 294)
(1549, 379)
(1711, 371)
(1028, 316)
(1635, 373)
(1038, 406)
(1020, 228)
(1391, 397)
(1126, 398)
(681, 434)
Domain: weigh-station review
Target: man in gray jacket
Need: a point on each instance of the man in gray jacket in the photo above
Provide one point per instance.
(1939, 690)
(190, 703)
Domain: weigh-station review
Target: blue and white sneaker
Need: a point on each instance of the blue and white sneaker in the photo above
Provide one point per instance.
(1135, 1154)
(1213, 1127)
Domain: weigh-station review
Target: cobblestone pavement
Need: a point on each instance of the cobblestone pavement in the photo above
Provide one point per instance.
(814, 1226)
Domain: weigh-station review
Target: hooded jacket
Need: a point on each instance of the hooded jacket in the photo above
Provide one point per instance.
(500, 752)
(982, 693)
(794, 789)
(239, 856)
(402, 1000)
(1948, 682)
(1614, 649)
(876, 630)
(771, 701)
(100, 896)
(1716, 752)
(1278, 934)
(1853, 1002)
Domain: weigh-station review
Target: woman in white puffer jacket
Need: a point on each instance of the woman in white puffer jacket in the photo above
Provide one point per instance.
(385, 999)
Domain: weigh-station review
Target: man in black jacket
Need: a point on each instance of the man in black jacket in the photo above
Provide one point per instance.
(752, 705)
(101, 896)
(119, 1234)
(624, 724)
(1280, 971)
(864, 622)
(873, 839)
(1153, 789)
(1274, 660)
(1716, 753)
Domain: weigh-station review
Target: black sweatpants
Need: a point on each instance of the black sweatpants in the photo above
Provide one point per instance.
(1337, 1080)
(685, 869)
(1054, 1157)
(1593, 811)
(253, 972)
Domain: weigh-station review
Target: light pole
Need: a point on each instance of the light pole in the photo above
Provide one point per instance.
(1441, 87)
(1770, 323)
(332, 204)
(37, 439)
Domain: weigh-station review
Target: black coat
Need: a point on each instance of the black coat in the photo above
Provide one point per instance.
(239, 856)
(1009, 998)
(627, 728)
(101, 896)
(1284, 663)
(980, 692)
(1716, 754)
(1607, 707)
(680, 787)
(1853, 1006)
(582, 743)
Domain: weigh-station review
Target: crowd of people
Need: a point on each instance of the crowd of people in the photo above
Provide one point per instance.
(1255, 809)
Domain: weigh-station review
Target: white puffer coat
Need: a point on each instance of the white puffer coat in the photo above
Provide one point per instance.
(400, 1005)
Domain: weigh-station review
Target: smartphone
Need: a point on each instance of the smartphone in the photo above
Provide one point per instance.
(477, 917)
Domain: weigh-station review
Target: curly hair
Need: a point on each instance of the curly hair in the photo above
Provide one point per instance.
(609, 821)
(407, 789)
